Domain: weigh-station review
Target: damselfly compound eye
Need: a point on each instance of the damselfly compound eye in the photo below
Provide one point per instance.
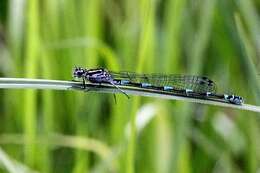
(78, 72)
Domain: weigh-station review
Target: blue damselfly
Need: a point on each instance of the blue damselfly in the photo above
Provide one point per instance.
(181, 85)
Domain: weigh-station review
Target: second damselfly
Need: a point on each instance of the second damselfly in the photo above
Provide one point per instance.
(180, 85)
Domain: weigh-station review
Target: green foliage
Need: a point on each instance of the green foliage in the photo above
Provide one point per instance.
(58, 131)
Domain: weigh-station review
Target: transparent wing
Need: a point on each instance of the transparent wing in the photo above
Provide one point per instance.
(198, 84)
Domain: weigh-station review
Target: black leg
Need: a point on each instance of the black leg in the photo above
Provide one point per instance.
(84, 84)
(115, 98)
(120, 89)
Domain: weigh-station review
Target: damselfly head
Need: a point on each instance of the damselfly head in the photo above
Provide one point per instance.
(78, 72)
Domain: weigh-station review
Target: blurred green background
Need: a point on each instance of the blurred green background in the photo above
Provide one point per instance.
(66, 131)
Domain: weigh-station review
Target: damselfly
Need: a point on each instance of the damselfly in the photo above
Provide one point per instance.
(182, 85)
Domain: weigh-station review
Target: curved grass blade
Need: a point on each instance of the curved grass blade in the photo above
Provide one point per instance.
(22, 83)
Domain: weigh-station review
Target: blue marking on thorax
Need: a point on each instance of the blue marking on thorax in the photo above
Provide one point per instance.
(167, 88)
(144, 85)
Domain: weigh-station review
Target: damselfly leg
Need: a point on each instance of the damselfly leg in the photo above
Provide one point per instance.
(111, 82)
